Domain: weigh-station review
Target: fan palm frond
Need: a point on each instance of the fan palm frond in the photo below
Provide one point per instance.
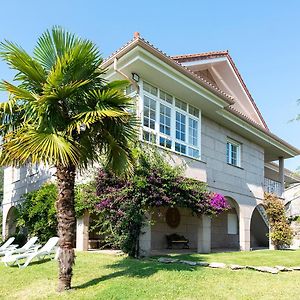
(27, 144)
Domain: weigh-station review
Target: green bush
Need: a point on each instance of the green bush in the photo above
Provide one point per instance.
(20, 239)
(37, 212)
(281, 234)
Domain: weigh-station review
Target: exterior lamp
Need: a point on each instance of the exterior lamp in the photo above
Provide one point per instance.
(135, 77)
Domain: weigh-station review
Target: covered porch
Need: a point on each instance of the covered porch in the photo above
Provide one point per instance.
(205, 234)
(238, 228)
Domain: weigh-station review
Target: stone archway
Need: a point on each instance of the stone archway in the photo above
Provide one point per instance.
(11, 222)
(259, 228)
(225, 228)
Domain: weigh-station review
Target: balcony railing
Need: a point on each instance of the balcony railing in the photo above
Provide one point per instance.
(272, 186)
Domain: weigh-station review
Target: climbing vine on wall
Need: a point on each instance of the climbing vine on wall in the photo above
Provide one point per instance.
(123, 202)
(280, 231)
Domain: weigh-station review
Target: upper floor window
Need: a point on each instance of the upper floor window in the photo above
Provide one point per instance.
(233, 153)
(170, 122)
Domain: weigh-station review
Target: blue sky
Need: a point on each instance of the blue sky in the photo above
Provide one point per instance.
(262, 37)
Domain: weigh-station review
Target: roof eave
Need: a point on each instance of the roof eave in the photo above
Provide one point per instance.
(295, 151)
(145, 45)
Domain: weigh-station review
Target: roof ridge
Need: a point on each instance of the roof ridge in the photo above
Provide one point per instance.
(208, 53)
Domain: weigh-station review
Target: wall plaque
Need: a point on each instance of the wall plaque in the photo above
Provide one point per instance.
(173, 217)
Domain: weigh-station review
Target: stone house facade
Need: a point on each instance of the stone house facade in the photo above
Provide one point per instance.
(198, 109)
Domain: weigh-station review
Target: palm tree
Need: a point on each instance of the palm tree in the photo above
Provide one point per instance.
(61, 112)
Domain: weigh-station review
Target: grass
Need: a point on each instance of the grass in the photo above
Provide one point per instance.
(99, 276)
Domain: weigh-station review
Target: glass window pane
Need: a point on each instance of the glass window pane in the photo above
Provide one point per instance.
(180, 148)
(149, 112)
(227, 152)
(167, 97)
(180, 104)
(193, 132)
(165, 142)
(149, 137)
(194, 111)
(194, 152)
(233, 153)
(150, 88)
(180, 126)
(165, 119)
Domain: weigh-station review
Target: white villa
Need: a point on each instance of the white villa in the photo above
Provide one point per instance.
(198, 108)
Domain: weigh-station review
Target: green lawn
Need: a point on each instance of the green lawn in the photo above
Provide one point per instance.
(98, 276)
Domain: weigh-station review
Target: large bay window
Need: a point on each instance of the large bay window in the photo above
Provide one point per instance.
(170, 122)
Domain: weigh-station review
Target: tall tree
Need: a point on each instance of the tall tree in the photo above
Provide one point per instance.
(61, 112)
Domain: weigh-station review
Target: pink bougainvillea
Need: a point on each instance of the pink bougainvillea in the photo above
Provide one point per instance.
(218, 202)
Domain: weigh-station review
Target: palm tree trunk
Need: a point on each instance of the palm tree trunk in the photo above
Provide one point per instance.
(66, 224)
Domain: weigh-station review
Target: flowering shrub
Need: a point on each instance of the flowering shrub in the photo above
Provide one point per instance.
(281, 233)
(123, 202)
(218, 202)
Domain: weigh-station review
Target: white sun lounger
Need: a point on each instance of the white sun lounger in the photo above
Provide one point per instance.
(8, 244)
(30, 245)
(47, 250)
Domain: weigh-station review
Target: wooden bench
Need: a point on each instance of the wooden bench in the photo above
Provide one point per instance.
(176, 239)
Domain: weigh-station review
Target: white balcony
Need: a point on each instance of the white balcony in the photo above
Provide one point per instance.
(272, 186)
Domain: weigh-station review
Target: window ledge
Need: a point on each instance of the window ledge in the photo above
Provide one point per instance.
(235, 166)
(173, 152)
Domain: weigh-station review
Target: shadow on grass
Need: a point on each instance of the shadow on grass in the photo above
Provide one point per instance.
(36, 262)
(141, 268)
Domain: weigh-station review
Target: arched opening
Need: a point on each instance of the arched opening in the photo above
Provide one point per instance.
(259, 228)
(225, 228)
(11, 222)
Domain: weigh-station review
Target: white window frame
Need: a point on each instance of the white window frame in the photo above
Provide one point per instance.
(238, 152)
(172, 137)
